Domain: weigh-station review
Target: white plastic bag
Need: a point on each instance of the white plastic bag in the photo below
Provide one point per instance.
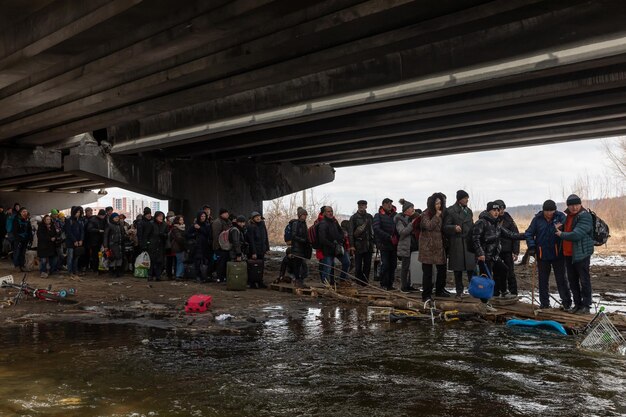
(143, 261)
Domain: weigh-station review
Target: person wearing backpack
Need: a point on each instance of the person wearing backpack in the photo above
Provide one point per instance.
(547, 248)
(578, 243)
(237, 239)
(404, 228)
(220, 255)
(361, 236)
(387, 242)
(458, 220)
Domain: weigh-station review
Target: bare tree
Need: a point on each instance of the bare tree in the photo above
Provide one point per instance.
(616, 154)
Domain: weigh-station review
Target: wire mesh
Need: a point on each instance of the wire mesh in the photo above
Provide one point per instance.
(603, 336)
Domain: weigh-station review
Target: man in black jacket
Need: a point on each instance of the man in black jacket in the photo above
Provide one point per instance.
(486, 235)
(300, 246)
(386, 241)
(361, 237)
(332, 243)
(95, 237)
(508, 253)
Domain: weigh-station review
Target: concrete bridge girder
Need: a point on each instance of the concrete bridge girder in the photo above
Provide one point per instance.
(189, 184)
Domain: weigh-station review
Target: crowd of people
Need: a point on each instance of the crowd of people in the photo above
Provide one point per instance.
(87, 241)
(448, 238)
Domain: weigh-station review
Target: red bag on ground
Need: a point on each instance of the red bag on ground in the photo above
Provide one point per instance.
(198, 303)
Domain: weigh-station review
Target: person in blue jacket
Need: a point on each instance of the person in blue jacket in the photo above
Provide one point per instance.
(547, 248)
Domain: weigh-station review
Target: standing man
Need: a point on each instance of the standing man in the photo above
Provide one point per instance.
(258, 246)
(95, 238)
(221, 256)
(300, 247)
(547, 249)
(361, 237)
(578, 247)
(386, 241)
(331, 241)
(509, 251)
(457, 225)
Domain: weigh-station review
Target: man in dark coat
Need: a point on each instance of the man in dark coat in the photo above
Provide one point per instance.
(144, 225)
(300, 247)
(221, 256)
(386, 241)
(547, 248)
(95, 236)
(486, 235)
(361, 237)
(198, 239)
(458, 220)
(509, 251)
(113, 244)
(74, 239)
(155, 235)
(237, 238)
(331, 240)
(23, 233)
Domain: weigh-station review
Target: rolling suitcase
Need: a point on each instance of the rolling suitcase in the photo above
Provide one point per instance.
(255, 272)
(236, 276)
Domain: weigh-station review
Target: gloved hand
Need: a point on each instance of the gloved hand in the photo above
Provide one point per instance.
(532, 251)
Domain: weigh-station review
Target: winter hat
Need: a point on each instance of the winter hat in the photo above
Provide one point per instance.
(54, 212)
(405, 204)
(492, 205)
(171, 214)
(461, 194)
(254, 214)
(573, 199)
(549, 205)
(223, 210)
(241, 219)
(301, 211)
(361, 202)
(387, 200)
(500, 203)
(114, 215)
(61, 215)
(147, 211)
(102, 212)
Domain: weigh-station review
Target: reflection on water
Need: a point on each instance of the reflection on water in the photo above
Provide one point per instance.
(314, 362)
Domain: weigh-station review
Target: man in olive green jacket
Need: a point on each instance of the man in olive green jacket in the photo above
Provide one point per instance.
(577, 236)
(457, 224)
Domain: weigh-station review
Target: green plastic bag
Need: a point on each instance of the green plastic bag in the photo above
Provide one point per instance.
(141, 272)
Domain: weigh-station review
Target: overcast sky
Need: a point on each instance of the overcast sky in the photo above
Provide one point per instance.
(518, 176)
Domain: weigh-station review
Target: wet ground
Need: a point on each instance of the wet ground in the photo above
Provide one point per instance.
(311, 360)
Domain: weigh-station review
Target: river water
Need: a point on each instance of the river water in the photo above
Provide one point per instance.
(315, 361)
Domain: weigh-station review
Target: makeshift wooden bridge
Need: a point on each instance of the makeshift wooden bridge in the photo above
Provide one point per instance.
(506, 309)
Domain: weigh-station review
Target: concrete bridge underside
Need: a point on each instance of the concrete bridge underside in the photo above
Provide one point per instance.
(234, 102)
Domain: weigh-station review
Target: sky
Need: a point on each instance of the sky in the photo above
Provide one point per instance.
(519, 176)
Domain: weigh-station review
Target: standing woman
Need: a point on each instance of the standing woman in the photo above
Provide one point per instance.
(177, 239)
(47, 237)
(404, 227)
(113, 244)
(156, 235)
(432, 252)
(23, 235)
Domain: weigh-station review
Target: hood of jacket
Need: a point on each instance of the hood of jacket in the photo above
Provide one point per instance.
(393, 211)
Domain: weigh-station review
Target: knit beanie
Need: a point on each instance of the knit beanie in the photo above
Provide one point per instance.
(500, 203)
(461, 194)
(405, 204)
(114, 215)
(492, 205)
(147, 211)
(549, 205)
(301, 211)
(54, 212)
(573, 199)
(101, 212)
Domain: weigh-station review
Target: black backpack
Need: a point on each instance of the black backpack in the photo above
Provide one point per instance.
(600, 230)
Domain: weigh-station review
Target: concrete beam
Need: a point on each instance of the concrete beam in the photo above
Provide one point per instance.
(41, 203)
(379, 69)
(15, 162)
